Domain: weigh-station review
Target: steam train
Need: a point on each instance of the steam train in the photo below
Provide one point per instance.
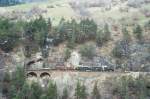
(62, 67)
(85, 68)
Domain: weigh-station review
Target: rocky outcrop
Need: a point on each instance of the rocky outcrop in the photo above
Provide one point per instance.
(140, 56)
(75, 58)
(98, 61)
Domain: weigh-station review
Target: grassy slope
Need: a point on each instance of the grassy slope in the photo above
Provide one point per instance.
(62, 9)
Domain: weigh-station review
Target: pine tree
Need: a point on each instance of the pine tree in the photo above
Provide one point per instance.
(9, 36)
(80, 91)
(126, 35)
(67, 54)
(141, 85)
(122, 50)
(36, 91)
(103, 36)
(12, 92)
(88, 51)
(6, 83)
(83, 92)
(95, 93)
(65, 94)
(25, 91)
(123, 88)
(77, 90)
(52, 91)
(138, 32)
(18, 78)
(19, 95)
(83, 31)
(100, 38)
(72, 34)
(62, 29)
(126, 42)
(107, 33)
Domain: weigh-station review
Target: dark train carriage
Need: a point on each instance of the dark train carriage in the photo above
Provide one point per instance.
(97, 68)
(94, 68)
(83, 68)
(110, 68)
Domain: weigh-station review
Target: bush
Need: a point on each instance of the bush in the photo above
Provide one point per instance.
(107, 33)
(121, 50)
(100, 38)
(67, 54)
(51, 92)
(65, 94)
(88, 50)
(138, 32)
(36, 91)
(95, 93)
(80, 91)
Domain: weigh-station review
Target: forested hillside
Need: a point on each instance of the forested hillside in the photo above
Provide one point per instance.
(75, 49)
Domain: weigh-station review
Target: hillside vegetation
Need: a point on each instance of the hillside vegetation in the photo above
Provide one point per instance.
(75, 39)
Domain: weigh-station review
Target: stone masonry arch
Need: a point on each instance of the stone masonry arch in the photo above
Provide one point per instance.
(44, 74)
(32, 74)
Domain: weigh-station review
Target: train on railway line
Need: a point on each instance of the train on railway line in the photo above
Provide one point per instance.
(81, 68)
(85, 68)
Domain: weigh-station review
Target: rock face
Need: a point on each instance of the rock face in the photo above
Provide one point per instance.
(140, 57)
(98, 61)
(75, 58)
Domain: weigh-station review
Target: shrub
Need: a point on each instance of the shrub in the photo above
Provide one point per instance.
(67, 54)
(88, 50)
(121, 50)
(138, 32)
(65, 94)
(80, 91)
(95, 93)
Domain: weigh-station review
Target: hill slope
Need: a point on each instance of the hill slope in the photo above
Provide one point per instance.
(100, 10)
